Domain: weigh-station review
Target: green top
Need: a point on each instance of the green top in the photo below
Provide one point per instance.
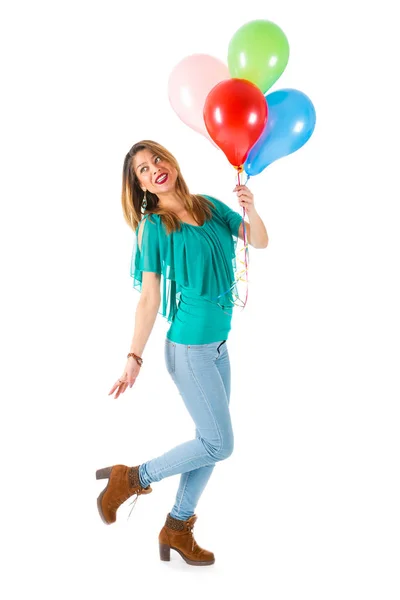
(197, 266)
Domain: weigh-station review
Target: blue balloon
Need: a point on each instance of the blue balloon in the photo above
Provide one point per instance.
(290, 124)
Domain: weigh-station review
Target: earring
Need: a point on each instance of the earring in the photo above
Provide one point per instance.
(144, 201)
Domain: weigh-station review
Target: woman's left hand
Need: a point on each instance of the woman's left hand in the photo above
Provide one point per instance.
(246, 198)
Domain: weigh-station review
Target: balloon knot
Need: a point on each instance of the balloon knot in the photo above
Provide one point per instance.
(239, 169)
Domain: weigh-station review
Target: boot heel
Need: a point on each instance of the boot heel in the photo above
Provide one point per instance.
(165, 552)
(103, 473)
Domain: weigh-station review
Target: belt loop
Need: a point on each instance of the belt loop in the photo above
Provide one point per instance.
(220, 345)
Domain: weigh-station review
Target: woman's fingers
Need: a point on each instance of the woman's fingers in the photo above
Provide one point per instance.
(117, 384)
(128, 379)
(114, 387)
(122, 387)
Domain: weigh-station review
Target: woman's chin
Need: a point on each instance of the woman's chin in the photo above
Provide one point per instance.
(164, 189)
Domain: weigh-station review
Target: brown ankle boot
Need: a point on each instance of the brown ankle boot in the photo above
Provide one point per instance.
(123, 482)
(178, 535)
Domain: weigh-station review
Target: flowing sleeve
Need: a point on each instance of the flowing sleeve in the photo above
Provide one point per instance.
(151, 258)
(148, 257)
(231, 218)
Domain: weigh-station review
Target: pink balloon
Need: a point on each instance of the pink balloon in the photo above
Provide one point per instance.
(189, 84)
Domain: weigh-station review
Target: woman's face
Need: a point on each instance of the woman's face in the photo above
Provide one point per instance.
(154, 174)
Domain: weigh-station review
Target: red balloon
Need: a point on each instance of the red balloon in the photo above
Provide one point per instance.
(235, 114)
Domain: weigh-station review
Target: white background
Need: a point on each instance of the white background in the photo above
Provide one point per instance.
(307, 505)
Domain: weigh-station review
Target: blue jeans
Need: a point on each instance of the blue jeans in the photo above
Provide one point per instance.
(202, 375)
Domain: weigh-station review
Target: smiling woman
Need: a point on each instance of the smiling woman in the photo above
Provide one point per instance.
(183, 264)
(153, 184)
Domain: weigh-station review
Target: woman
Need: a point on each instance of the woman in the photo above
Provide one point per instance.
(183, 260)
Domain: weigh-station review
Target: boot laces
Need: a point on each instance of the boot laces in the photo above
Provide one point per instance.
(190, 529)
(134, 504)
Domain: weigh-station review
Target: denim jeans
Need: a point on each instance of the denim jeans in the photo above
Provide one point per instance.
(202, 375)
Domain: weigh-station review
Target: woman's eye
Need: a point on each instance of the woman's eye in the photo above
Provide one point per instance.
(157, 158)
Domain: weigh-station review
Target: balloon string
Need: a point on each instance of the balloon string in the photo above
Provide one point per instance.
(245, 250)
(245, 263)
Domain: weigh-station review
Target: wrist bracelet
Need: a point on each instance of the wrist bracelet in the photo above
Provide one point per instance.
(138, 359)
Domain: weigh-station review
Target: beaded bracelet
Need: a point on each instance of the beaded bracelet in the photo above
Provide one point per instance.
(138, 359)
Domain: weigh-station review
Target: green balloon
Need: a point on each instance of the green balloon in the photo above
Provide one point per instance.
(258, 52)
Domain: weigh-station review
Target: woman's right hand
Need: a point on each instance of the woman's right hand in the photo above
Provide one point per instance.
(129, 376)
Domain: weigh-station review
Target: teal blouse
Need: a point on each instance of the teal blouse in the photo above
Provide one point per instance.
(197, 266)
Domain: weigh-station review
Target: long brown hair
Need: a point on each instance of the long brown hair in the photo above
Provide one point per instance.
(132, 193)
